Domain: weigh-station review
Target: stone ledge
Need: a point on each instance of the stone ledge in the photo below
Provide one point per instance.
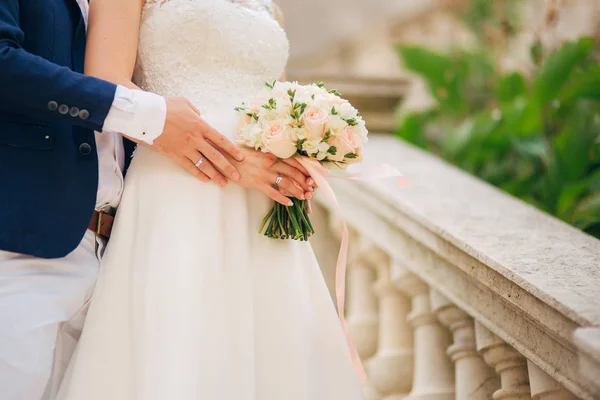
(528, 277)
(588, 343)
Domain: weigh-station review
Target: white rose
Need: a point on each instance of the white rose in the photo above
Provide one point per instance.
(336, 124)
(300, 133)
(346, 111)
(250, 135)
(310, 147)
(324, 146)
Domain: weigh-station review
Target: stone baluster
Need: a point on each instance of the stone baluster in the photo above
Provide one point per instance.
(362, 310)
(474, 380)
(433, 377)
(509, 364)
(391, 369)
(361, 303)
(543, 387)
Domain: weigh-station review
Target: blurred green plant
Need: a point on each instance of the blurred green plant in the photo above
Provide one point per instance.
(536, 137)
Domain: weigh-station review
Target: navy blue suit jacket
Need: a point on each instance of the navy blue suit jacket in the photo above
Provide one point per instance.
(48, 114)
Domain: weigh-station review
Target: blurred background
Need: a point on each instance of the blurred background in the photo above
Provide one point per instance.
(508, 90)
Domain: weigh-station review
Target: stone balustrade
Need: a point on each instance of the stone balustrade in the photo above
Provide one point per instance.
(459, 291)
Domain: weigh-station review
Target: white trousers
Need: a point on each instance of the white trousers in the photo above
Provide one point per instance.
(42, 310)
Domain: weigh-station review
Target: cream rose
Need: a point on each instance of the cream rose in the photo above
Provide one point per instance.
(314, 120)
(278, 139)
(352, 136)
(345, 143)
(342, 147)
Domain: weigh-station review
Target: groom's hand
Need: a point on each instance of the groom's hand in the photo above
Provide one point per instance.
(187, 139)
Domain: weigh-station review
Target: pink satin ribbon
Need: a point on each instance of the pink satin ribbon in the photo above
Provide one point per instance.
(319, 173)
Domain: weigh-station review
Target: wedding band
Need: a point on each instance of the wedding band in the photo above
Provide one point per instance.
(277, 182)
(200, 162)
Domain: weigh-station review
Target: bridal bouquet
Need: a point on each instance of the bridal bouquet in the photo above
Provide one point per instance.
(305, 121)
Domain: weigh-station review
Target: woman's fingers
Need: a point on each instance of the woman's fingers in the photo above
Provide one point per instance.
(276, 195)
(293, 162)
(283, 168)
(287, 185)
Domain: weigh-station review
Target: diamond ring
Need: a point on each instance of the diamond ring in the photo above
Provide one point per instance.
(277, 182)
(200, 162)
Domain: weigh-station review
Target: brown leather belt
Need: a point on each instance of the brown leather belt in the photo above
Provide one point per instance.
(101, 224)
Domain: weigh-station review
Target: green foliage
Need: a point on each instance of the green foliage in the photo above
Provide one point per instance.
(535, 137)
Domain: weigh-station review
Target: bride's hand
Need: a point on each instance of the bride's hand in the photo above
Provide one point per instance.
(259, 171)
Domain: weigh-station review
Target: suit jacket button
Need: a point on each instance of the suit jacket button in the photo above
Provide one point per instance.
(74, 112)
(85, 149)
(63, 109)
(52, 106)
(84, 114)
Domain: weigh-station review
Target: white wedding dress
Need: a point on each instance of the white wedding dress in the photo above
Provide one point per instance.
(192, 303)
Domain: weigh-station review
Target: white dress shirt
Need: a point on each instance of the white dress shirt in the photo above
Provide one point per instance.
(135, 113)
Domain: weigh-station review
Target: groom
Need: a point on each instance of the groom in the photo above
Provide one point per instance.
(55, 172)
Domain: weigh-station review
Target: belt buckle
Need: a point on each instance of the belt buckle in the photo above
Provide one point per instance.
(100, 223)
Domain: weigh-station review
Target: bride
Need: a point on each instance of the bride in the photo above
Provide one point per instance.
(192, 303)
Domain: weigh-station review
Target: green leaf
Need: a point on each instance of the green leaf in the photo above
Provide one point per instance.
(551, 185)
(583, 85)
(522, 117)
(412, 129)
(510, 87)
(557, 69)
(534, 147)
(536, 51)
(332, 150)
(442, 74)
(587, 212)
(573, 143)
(572, 192)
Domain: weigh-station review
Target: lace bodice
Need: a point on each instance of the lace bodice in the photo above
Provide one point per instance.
(216, 53)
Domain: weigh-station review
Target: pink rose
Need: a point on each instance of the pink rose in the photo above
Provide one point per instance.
(347, 142)
(342, 147)
(315, 119)
(279, 140)
(354, 138)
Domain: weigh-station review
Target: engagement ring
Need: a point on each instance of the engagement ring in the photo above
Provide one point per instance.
(277, 182)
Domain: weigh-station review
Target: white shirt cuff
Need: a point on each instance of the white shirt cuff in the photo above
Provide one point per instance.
(137, 114)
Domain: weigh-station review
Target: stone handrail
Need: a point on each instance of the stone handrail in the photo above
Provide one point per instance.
(457, 290)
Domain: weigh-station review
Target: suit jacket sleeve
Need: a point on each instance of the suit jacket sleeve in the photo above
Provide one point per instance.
(34, 87)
